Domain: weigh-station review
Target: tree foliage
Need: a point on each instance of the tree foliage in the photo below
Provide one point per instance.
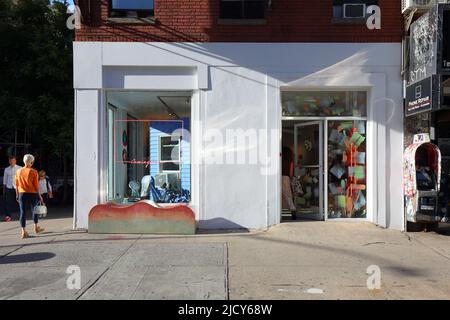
(36, 90)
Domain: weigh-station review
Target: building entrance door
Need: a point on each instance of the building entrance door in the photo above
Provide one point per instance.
(324, 140)
(308, 170)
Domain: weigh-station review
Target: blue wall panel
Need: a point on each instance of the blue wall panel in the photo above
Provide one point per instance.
(159, 128)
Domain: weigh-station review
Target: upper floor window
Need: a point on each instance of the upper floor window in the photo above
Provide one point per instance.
(132, 8)
(351, 10)
(242, 9)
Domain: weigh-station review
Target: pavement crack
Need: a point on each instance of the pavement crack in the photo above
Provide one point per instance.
(287, 285)
(132, 296)
(97, 279)
(79, 296)
(431, 248)
(371, 243)
(12, 251)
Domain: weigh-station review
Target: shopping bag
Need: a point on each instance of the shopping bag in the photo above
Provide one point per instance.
(40, 209)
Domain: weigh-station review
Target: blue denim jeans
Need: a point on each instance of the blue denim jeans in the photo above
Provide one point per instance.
(27, 201)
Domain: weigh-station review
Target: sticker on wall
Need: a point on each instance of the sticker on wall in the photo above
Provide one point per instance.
(308, 145)
(124, 138)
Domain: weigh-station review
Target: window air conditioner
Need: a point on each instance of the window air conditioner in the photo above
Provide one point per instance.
(132, 14)
(354, 10)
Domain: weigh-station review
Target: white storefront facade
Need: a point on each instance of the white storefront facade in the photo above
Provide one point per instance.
(242, 87)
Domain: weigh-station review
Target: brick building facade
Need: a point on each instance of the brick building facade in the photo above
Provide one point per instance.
(199, 21)
(252, 79)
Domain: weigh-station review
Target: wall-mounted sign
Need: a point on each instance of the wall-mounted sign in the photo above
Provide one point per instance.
(424, 95)
(419, 97)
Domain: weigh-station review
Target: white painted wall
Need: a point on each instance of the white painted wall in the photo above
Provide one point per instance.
(238, 86)
(86, 154)
(235, 195)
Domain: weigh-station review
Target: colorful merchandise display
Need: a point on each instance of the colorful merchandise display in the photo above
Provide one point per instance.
(305, 187)
(347, 169)
(325, 104)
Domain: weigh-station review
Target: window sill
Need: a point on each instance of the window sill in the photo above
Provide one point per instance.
(350, 21)
(242, 22)
(116, 20)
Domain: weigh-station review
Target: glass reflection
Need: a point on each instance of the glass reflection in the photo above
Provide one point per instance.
(324, 103)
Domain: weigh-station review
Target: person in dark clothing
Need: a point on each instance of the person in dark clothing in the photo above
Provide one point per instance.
(287, 172)
(10, 204)
(287, 162)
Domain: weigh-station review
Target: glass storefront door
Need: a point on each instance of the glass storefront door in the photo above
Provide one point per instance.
(308, 169)
(346, 167)
(330, 155)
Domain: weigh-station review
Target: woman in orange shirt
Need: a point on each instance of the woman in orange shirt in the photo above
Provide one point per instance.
(27, 193)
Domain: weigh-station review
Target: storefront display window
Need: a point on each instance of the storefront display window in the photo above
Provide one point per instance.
(324, 103)
(347, 169)
(149, 147)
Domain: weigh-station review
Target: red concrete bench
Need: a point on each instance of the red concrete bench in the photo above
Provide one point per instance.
(141, 217)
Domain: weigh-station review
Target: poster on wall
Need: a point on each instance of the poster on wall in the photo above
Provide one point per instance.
(423, 46)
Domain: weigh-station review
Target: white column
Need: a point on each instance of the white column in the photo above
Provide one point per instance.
(87, 183)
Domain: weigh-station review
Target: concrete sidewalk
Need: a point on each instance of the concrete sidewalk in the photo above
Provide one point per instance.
(297, 260)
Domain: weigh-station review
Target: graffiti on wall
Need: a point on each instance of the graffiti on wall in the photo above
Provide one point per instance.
(423, 46)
